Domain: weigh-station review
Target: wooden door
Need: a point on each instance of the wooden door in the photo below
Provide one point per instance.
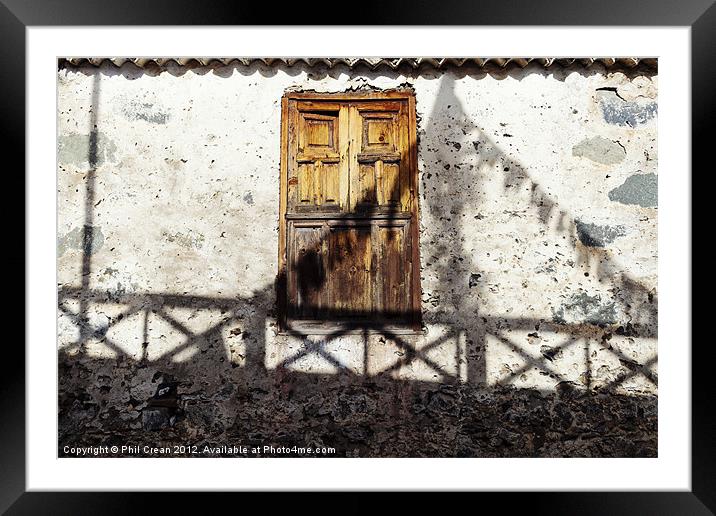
(349, 214)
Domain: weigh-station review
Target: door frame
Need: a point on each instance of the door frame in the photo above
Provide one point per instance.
(415, 320)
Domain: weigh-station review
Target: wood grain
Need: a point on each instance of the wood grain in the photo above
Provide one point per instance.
(349, 209)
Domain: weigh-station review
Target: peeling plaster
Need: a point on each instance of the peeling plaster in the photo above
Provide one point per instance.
(75, 240)
(618, 111)
(146, 111)
(74, 149)
(600, 150)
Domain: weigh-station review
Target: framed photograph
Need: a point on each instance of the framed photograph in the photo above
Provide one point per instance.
(393, 257)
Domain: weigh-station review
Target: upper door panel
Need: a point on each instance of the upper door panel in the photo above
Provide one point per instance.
(348, 157)
(381, 183)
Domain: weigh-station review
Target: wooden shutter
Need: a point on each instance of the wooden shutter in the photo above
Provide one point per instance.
(318, 157)
(348, 217)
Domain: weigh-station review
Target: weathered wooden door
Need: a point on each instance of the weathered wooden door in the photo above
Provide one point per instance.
(349, 210)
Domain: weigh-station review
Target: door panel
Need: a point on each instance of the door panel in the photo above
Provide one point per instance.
(306, 187)
(378, 132)
(350, 271)
(392, 271)
(307, 285)
(317, 135)
(366, 185)
(332, 270)
(318, 140)
(388, 183)
(329, 193)
(379, 137)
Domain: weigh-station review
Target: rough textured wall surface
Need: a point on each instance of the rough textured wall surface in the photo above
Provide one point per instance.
(538, 199)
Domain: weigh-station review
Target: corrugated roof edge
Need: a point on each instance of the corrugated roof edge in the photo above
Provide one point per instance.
(644, 64)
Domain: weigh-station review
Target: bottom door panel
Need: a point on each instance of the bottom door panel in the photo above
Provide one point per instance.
(307, 277)
(348, 271)
(391, 272)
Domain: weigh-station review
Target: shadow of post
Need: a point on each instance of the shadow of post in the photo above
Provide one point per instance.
(88, 228)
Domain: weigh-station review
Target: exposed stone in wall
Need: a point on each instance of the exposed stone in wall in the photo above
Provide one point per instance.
(595, 235)
(639, 189)
(616, 110)
(384, 418)
(134, 109)
(88, 240)
(601, 150)
(189, 239)
(79, 150)
(581, 308)
(538, 268)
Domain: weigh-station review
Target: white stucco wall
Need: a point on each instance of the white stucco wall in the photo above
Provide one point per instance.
(538, 226)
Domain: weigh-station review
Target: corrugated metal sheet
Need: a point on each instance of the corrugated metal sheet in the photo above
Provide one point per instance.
(374, 64)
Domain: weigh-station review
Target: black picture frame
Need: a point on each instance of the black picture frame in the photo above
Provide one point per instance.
(17, 15)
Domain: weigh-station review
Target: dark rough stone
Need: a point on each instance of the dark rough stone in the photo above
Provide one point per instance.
(156, 418)
(639, 189)
(594, 235)
(162, 408)
(581, 308)
(474, 279)
(550, 353)
(380, 417)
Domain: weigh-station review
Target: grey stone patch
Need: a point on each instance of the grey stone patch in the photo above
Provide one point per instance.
(85, 150)
(248, 198)
(581, 308)
(190, 239)
(594, 235)
(639, 189)
(135, 110)
(600, 150)
(75, 240)
(625, 113)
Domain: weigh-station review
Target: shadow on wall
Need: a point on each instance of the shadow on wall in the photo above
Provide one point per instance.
(238, 387)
